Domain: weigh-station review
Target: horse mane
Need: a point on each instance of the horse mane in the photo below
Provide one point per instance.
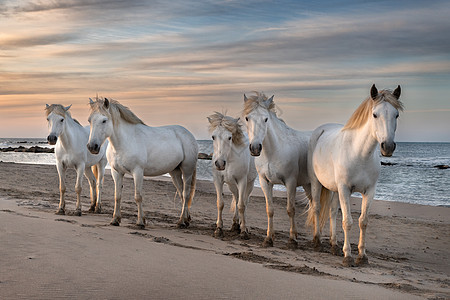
(230, 124)
(116, 110)
(259, 99)
(59, 110)
(363, 112)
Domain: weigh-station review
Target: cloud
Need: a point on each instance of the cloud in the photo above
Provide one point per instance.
(32, 40)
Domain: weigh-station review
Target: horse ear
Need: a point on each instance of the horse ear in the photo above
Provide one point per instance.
(245, 98)
(67, 107)
(90, 101)
(209, 120)
(106, 103)
(269, 101)
(397, 92)
(373, 92)
(47, 106)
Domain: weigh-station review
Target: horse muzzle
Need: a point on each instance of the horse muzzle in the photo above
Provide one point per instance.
(52, 139)
(255, 150)
(94, 148)
(220, 164)
(387, 149)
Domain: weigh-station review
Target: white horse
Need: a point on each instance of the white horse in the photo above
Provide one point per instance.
(344, 159)
(70, 139)
(137, 149)
(281, 157)
(234, 166)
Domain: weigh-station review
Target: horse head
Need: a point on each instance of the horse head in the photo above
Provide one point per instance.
(384, 116)
(56, 116)
(257, 114)
(224, 132)
(101, 126)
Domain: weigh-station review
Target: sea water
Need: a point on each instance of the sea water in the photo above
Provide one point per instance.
(412, 178)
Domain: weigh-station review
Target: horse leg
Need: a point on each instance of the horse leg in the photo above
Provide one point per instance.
(241, 207)
(363, 221)
(100, 176)
(118, 180)
(313, 214)
(92, 185)
(138, 176)
(267, 188)
(291, 191)
(185, 217)
(333, 213)
(347, 221)
(78, 188)
(218, 183)
(234, 207)
(62, 188)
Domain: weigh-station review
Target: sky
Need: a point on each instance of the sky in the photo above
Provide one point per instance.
(176, 62)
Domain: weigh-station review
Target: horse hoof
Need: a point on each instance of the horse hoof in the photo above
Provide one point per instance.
(335, 250)
(77, 213)
(362, 260)
(140, 226)
(268, 242)
(91, 209)
(244, 235)
(218, 233)
(98, 209)
(292, 244)
(348, 261)
(115, 222)
(182, 225)
(60, 211)
(236, 228)
(317, 244)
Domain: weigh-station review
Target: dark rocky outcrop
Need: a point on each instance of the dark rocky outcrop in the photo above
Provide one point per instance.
(33, 149)
(205, 156)
(387, 163)
(442, 167)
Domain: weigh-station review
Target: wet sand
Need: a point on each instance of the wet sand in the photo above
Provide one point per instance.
(43, 255)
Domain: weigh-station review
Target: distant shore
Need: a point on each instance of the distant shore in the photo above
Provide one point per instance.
(408, 245)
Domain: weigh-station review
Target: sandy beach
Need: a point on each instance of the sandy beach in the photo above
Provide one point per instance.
(43, 255)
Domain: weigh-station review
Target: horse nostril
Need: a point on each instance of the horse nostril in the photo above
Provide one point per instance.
(216, 163)
(224, 163)
(259, 147)
(383, 146)
(395, 146)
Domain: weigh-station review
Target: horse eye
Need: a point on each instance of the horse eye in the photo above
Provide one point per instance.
(375, 116)
(213, 137)
(396, 116)
(62, 120)
(265, 120)
(229, 138)
(104, 121)
(246, 119)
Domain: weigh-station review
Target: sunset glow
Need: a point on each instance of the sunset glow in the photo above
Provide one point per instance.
(174, 62)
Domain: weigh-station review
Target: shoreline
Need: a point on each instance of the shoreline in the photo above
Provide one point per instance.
(256, 188)
(407, 244)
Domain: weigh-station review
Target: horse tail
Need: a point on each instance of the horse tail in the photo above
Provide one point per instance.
(324, 214)
(192, 191)
(94, 169)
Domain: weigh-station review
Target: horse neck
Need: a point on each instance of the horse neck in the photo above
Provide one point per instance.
(69, 136)
(275, 130)
(363, 141)
(122, 133)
